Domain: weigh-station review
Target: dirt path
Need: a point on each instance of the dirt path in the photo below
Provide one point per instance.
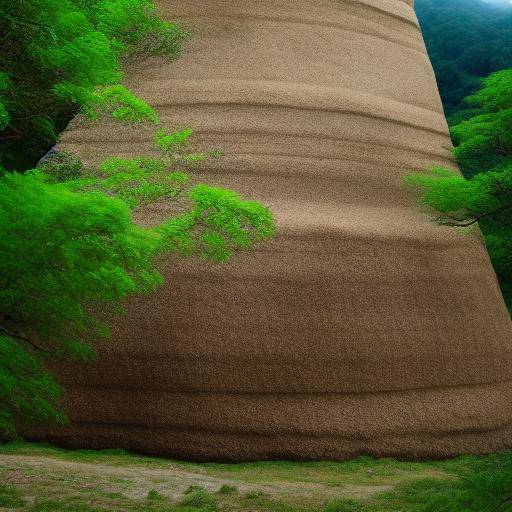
(172, 482)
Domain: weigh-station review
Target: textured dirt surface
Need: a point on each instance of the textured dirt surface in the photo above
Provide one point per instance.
(171, 482)
(363, 327)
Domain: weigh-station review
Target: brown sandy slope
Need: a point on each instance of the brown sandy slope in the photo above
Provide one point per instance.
(363, 327)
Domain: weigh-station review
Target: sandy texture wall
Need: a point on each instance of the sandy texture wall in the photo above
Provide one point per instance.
(363, 327)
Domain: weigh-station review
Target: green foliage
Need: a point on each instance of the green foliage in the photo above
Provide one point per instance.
(27, 391)
(461, 200)
(10, 496)
(121, 103)
(62, 253)
(486, 198)
(482, 485)
(200, 499)
(215, 222)
(62, 166)
(485, 140)
(466, 40)
(154, 495)
(67, 250)
(219, 223)
(71, 255)
(254, 495)
(485, 153)
(135, 25)
(464, 484)
(54, 505)
(169, 142)
(58, 56)
(227, 490)
(344, 506)
(5, 83)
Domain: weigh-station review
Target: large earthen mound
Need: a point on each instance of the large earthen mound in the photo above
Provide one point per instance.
(363, 327)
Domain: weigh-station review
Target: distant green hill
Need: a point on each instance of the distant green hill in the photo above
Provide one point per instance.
(466, 40)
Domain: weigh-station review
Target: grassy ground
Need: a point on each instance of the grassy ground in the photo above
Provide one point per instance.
(40, 478)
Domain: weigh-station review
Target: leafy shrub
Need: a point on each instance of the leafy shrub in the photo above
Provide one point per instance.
(227, 489)
(62, 166)
(154, 495)
(200, 499)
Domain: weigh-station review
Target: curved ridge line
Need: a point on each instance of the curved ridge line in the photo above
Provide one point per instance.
(343, 93)
(392, 14)
(297, 21)
(367, 161)
(356, 394)
(299, 434)
(321, 137)
(257, 133)
(357, 113)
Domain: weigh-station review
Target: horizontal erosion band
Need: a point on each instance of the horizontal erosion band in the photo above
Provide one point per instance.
(210, 446)
(358, 378)
(457, 411)
(369, 12)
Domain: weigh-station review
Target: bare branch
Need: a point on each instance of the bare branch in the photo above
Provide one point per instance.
(469, 222)
(26, 340)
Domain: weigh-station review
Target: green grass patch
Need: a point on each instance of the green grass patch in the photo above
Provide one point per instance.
(200, 499)
(10, 497)
(464, 484)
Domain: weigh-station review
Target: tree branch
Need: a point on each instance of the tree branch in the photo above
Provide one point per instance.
(504, 152)
(27, 23)
(26, 340)
(474, 220)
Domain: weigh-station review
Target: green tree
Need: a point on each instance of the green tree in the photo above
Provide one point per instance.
(485, 152)
(466, 40)
(71, 255)
(59, 56)
(485, 140)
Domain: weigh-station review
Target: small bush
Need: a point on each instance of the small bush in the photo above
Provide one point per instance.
(344, 506)
(252, 495)
(228, 489)
(154, 495)
(61, 166)
(200, 499)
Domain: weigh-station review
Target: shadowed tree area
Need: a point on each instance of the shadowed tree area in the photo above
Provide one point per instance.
(466, 40)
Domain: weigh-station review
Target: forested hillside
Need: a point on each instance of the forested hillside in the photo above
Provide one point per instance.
(470, 45)
(466, 40)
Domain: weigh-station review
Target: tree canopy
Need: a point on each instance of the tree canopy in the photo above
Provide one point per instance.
(71, 255)
(484, 151)
(466, 40)
(57, 56)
